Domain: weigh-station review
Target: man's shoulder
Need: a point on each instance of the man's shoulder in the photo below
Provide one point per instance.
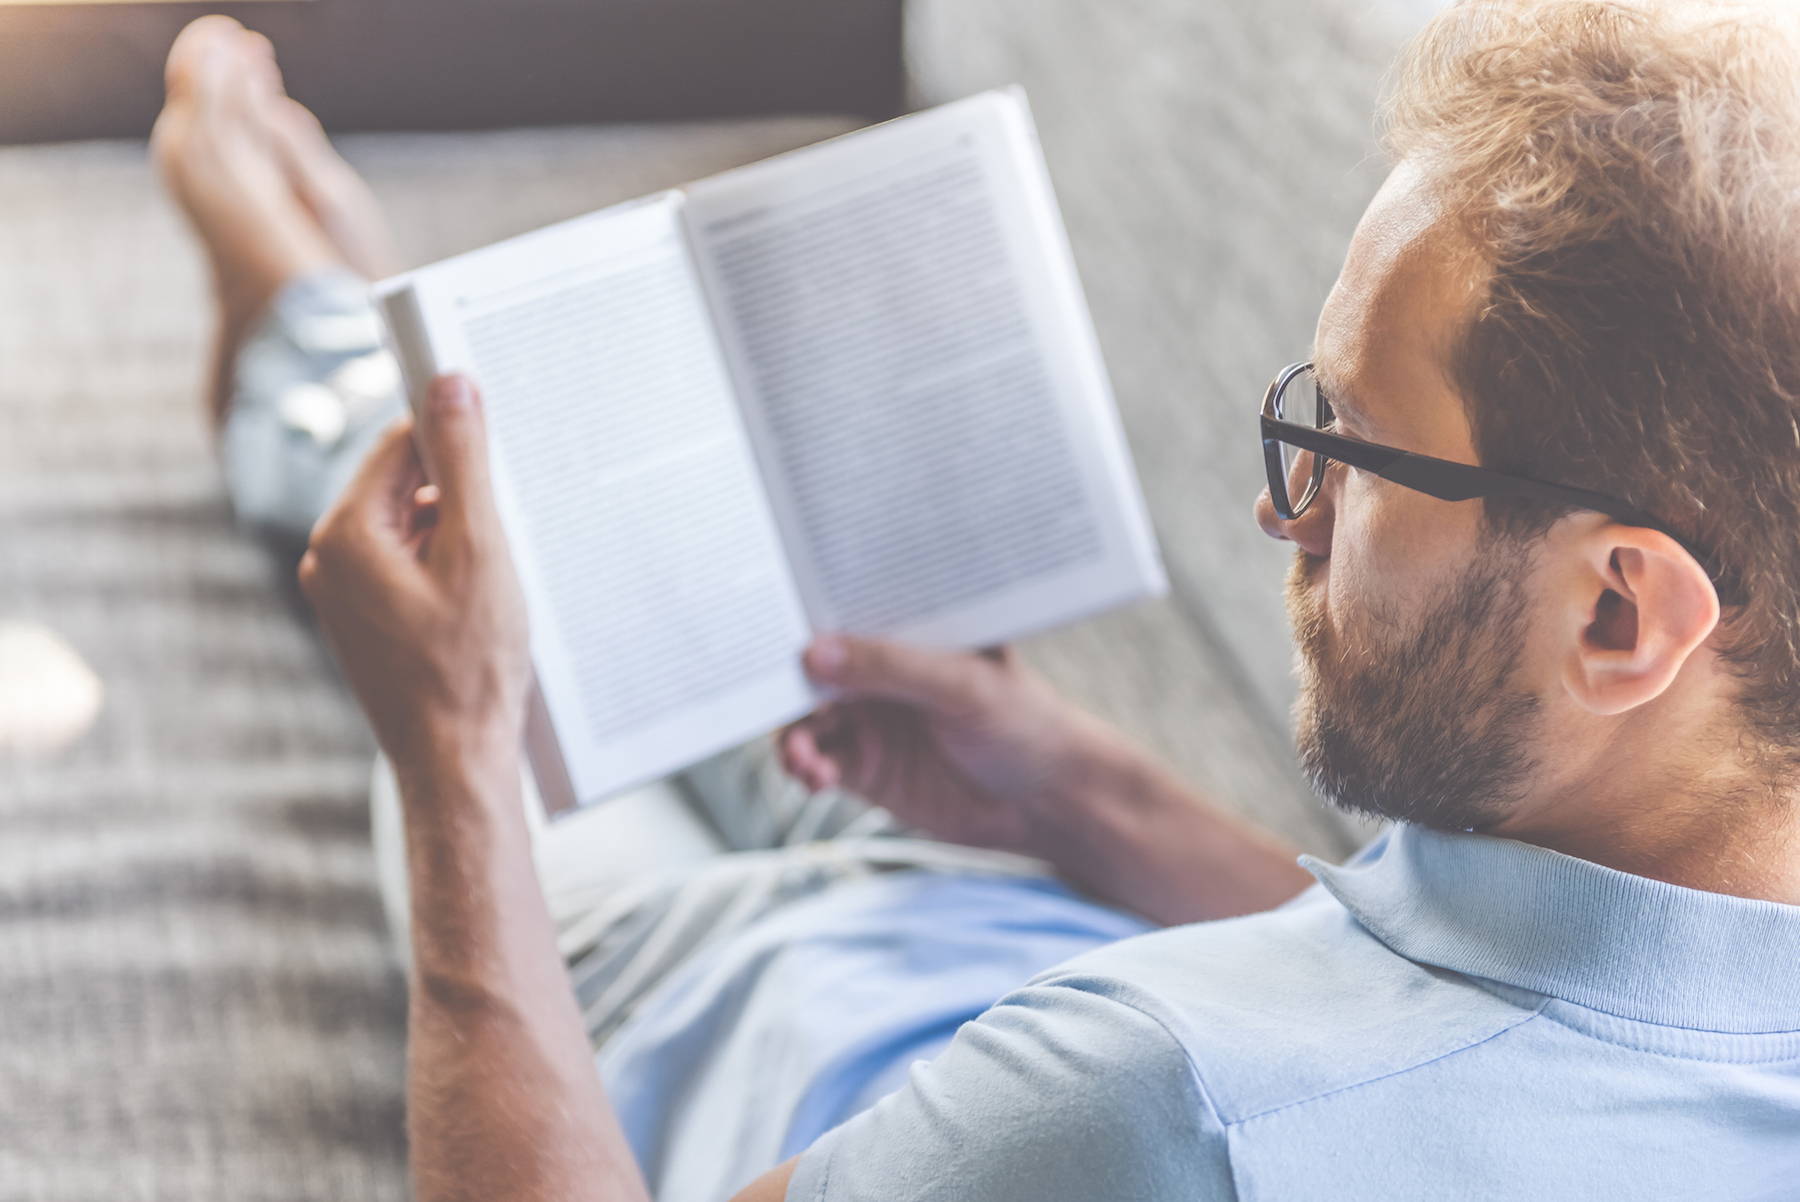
(1291, 1005)
(1124, 1072)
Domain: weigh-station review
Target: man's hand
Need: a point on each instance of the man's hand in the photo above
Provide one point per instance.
(971, 748)
(415, 589)
(976, 749)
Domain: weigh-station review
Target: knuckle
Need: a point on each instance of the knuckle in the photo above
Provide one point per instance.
(871, 662)
(971, 690)
(326, 550)
(987, 685)
(334, 549)
(308, 573)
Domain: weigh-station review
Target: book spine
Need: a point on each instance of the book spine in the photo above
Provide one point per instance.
(407, 339)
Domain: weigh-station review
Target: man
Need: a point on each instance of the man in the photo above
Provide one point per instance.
(1543, 478)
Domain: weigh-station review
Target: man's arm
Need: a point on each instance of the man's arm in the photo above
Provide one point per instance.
(414, 588)
(503, 1099)
(977, 749)
(1134, 834)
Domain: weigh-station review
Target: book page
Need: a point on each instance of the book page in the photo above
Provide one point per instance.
(665, 622)
(921, 377)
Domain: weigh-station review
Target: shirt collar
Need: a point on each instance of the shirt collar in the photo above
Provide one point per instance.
(1537, 919)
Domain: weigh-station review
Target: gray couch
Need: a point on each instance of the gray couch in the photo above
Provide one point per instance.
(197, 999)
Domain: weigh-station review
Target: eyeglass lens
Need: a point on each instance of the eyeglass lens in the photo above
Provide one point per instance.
(1301, 404)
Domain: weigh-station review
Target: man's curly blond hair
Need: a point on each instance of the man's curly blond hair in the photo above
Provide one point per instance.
(1631, 173)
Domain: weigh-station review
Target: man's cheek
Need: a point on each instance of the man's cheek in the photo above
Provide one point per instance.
(1389, 553)
(1356, 574)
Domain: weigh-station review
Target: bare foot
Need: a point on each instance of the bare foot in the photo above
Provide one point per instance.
(331, 189)
(216, 156)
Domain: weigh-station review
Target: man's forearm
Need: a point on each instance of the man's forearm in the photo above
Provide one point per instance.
(1131, 833)
(503, 1098)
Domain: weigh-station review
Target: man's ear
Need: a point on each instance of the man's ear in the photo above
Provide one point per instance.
(1646, 605)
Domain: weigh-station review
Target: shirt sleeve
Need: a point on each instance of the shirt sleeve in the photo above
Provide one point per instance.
(1058, 1092)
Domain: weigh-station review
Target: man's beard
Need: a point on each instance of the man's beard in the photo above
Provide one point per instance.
(1427, 728)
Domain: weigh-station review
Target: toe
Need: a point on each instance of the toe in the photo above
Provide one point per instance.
(197, 47)
(259, 52)
(240, 85)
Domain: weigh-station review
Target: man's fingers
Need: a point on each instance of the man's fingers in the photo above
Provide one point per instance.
(378, 498)
(308, 574)
(452, 438)
(372, 518)
(392, 469)
(950, 682)
(802, 759)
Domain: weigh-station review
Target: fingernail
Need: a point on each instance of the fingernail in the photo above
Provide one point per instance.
(451, 392)
(827, 656)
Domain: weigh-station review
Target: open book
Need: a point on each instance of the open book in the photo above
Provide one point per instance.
(854, 388)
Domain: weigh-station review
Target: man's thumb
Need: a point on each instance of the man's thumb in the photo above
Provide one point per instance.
(452, 437)
(941, 680)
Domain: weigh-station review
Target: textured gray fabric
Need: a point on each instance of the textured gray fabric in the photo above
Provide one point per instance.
(196, 998)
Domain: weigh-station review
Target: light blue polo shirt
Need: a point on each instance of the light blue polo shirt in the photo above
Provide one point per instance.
(1448, 1016)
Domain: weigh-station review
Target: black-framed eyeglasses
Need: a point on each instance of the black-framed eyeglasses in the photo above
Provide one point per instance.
(1297, 445)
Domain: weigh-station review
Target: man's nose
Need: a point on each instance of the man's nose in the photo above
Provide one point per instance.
(1311, 531)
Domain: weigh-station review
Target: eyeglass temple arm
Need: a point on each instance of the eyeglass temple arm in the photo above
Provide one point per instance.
(1446, 479)
(1466, 482)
